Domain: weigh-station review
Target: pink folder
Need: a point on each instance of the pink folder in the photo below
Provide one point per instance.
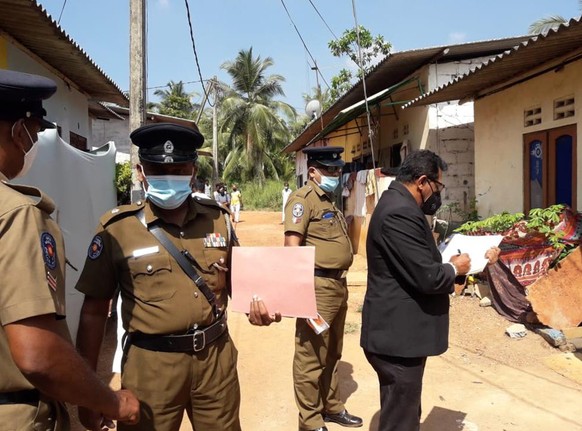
(281, 276)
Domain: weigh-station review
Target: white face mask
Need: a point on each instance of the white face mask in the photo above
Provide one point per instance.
(29, 155)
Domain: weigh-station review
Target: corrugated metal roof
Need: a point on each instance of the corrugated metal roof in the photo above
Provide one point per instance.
(527, 56)
(29, 24)
(357, 109)
(398, 66)
(153, 117)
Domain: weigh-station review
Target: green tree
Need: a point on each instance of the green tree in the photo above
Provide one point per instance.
(544, 25)
(252, 117)
(175, 101)
(123, 182)
(371, 48)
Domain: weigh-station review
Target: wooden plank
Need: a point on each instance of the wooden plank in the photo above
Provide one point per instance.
(556, 298)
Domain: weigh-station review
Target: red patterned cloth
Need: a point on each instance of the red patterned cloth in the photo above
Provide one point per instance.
(528, 262)
(570, 225)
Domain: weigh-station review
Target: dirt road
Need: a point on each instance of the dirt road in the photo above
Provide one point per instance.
(485, 381)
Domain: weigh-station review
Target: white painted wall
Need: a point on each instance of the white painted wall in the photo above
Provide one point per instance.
(68, 107)
(499, 130)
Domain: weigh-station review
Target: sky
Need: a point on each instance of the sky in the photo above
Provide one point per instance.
(224, 27)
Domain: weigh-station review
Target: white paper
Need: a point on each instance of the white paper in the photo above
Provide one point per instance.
(475, 246)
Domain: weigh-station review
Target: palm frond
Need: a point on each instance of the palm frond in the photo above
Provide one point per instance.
(544, 25)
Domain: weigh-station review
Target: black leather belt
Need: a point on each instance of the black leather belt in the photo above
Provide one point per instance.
(195, 341)
(31, 397)
(338, 274)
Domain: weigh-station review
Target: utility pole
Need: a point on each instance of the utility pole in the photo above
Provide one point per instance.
(215, 129)
(318, 92)
(137, 83)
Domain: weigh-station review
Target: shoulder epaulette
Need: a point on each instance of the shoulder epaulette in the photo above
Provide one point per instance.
(304, 191)
(211, 203)
(120, 212)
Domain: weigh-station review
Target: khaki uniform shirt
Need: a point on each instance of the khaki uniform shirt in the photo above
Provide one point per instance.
(311, 213)
(32, 267)
(157, 296)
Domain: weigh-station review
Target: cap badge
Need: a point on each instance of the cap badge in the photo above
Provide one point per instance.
(168, 159)
(168, 147)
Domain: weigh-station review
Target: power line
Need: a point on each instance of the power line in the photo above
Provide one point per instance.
(360, 65)
(330, 30)
(61, 14)
(194, 48)
(187, 82)
(304, 44)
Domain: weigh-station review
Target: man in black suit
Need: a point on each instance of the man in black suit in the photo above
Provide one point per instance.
(405, 317)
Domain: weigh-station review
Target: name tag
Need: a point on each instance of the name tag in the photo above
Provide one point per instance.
(145, 251)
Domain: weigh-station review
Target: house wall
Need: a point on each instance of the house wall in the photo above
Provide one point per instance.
(103, 131)
(68, 107)
(499, 130)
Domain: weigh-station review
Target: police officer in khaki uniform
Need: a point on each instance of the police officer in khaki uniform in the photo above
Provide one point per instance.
(40, 368)
(312, 219)
(170, 256)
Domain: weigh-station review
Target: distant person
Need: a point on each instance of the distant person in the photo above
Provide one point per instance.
(217, 187)
(40, 368)
(405, 317)
(235, 203)
(198, 189)
(207, 189)
(285, 193)
(222, 197)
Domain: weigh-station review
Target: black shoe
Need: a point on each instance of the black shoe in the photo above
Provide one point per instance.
(344, 419)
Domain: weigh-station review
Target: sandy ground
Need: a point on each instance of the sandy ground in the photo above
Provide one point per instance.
(486, 381)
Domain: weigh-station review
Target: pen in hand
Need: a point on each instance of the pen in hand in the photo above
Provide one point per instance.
(459, 251)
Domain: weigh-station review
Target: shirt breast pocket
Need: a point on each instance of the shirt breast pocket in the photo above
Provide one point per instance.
(327, 224)
(151, 277)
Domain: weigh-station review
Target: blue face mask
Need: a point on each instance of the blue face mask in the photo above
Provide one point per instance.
(168, 191)
(329, 184)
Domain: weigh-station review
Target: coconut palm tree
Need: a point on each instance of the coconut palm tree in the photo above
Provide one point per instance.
(544, 25)
(251, 115)
(175, 101)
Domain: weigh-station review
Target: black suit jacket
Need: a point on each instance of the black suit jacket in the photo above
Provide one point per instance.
(406, 308)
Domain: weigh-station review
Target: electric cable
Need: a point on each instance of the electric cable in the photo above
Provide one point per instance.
(370, 134)
(61, 14)
(330, 30)
(195, 53)
(304, 44)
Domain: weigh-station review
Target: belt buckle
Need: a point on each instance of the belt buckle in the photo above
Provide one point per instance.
(199, 341)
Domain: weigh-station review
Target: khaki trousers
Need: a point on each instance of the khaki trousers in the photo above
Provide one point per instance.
(204, 384)
(46, 416)
(316, 356)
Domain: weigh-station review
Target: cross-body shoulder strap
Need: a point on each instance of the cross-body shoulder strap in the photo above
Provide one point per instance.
(183, 258)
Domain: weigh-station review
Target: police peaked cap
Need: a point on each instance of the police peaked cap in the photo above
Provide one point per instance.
(21, 96)
(167, 143)
(326, 156)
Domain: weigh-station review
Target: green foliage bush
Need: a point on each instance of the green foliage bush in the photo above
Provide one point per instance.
(266, 197)
(123, 182)
(538, 221)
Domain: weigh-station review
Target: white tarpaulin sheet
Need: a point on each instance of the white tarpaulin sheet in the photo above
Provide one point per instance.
(82, 186)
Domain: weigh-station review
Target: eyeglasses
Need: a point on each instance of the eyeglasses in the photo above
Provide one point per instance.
(440, 185)
(330, 169)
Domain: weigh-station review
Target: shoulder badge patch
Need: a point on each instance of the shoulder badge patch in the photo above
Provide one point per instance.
(49, 250)
(95, 248)
(298, 210)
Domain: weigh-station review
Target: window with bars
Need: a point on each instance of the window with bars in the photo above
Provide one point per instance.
(564, 108)
(532, 116)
